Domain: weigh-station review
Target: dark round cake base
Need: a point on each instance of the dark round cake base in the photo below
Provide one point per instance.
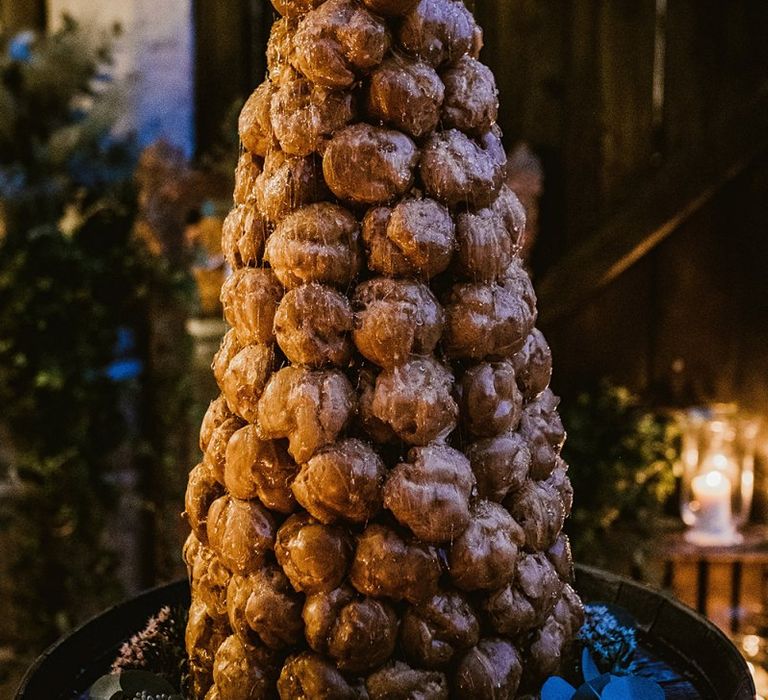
(691, 645)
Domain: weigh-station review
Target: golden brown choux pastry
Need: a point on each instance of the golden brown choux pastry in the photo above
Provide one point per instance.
(309, 408)
(358, 633)
(491, 403)
(415, 401)
(485, 555)
(240, 533)
(243, 672)
(430, 493)
(490, 671)
(243, 235)
(258, 468)
(317, 243)
(288, 183)
(471, 99)
(337, 42)
(313, 326)
(314, 557)
(398, 681)
(433, 632)
(391, 566)
(407, 94)
(369, 164)
(395, 320)
(439, 31)
(501, 465)
(342, 482)
(250, 297)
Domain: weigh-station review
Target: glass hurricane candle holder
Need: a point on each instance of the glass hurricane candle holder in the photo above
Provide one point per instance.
(718, 451)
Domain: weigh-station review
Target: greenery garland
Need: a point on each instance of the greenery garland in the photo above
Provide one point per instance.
(75, 284)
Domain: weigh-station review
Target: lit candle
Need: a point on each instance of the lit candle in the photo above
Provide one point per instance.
(713, 493)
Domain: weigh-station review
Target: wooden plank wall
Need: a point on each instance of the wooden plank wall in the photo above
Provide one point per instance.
(690, 320)
(606, 92)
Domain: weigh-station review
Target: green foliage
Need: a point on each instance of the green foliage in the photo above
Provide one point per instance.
(58, 105)
(72, 278)
(132, 685)
(621, 456)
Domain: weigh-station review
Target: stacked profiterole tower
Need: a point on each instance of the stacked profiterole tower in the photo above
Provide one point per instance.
(379, 509)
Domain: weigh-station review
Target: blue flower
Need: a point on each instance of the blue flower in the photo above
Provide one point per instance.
(124, 370)
(20, 48)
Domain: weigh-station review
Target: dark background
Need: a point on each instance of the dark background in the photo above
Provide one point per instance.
(651, 120)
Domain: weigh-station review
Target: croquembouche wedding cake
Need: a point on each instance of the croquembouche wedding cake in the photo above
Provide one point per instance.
(379, 509)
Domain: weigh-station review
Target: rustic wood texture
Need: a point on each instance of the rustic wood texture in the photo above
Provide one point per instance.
(727, 584)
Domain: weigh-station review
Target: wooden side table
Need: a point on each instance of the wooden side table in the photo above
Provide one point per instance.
(727, 584)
